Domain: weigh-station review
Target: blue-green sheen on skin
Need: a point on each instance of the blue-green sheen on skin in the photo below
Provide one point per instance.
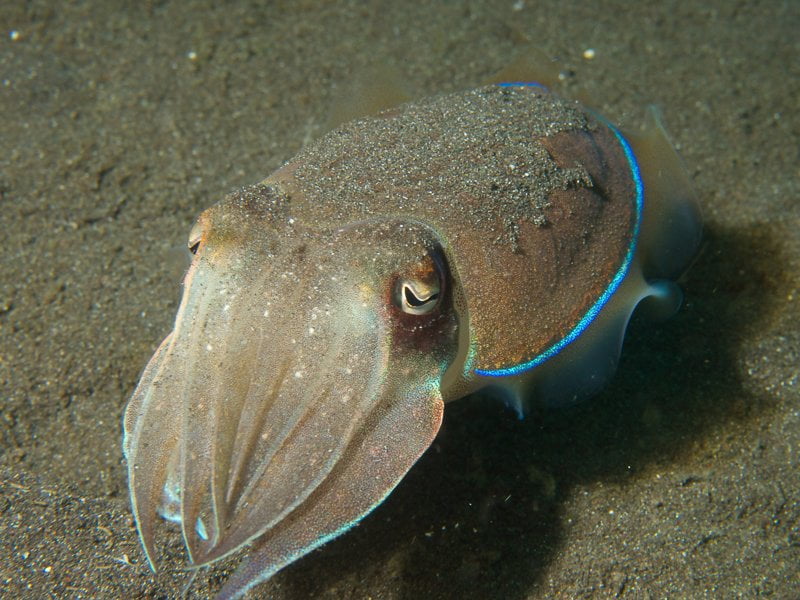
(497, 238)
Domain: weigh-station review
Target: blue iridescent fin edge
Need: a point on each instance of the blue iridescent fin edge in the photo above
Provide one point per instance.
(613, 285)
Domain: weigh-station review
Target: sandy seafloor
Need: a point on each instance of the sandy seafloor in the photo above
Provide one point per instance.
(121, 121)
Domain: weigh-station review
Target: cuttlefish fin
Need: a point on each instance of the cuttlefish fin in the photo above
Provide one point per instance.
(671, 227)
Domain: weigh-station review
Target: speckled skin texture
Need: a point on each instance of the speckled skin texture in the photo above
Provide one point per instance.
(291, 396)
(304, 376)
(531, 197)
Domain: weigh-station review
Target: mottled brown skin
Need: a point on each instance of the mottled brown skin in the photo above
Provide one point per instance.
(535, 213)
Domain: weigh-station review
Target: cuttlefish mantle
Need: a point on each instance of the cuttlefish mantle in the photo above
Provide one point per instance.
(496, 238)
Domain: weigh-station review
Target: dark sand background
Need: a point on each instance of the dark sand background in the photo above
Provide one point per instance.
(681, 480)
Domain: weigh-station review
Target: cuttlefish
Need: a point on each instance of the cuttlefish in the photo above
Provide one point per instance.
(496, 238)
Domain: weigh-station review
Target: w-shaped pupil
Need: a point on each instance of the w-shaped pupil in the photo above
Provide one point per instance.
(413, 300)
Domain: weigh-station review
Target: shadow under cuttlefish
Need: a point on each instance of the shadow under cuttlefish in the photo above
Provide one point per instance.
(480, 514)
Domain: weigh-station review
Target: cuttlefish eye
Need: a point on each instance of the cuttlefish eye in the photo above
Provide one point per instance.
(419, 291)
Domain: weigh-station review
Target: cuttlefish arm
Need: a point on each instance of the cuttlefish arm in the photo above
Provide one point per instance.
(369, 471)
(299, 385)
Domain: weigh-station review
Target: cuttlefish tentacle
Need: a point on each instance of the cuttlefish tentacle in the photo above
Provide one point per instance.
(153, 428)
(260, 397)
(207, 401)
(372, 470)
(281, 391)
(148, 445)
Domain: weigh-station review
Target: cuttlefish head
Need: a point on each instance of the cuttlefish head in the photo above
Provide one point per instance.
(300, 383)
